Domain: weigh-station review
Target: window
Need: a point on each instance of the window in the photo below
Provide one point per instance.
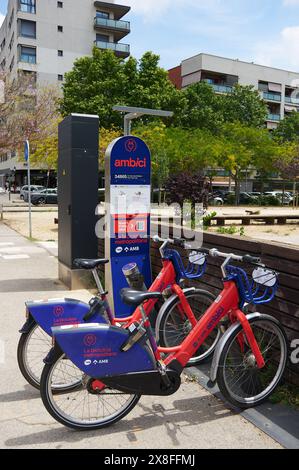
(60, 53)
(28, 29)
(102, 14)
(60, 78)
(102, 38)
(2, 65)
(2, 45)
(28, 54)
(27, 6)
(60, 28)
(59, 4)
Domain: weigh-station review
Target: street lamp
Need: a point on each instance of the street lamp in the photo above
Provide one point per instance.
(135, 113)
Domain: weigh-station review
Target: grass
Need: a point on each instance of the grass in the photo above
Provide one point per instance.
(232, 230)
(286, 395)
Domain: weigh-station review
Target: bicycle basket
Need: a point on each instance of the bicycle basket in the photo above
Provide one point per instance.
(261, 289)
(195, 268)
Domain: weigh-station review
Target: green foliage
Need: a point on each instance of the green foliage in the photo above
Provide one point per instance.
(244, 105)
(268, 201)
(288, 129)
(287, 395)
(232, 230)
(208, 218)
(205, 109)
(97, 83)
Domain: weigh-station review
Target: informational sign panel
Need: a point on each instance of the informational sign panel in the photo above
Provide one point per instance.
(128, 198)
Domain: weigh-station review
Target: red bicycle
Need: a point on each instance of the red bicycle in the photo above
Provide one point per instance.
(119, 365)
(188, 304)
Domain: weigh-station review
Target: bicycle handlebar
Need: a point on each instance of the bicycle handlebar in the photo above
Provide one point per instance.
(211, 252)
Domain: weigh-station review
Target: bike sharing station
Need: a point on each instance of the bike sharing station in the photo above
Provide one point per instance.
(112, 356)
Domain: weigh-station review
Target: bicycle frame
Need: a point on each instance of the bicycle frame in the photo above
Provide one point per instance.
(227, 303)
(165, 279)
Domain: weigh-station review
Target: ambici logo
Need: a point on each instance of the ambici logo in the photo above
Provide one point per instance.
(89, 340)
(131, 145)
(131, 163)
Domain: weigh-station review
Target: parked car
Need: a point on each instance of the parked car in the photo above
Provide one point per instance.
(45, 196)
(285, 199)
(2, 191)
(215, 200)
(24, 191)
(245, 198)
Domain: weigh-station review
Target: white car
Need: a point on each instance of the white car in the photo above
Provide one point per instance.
(2, 191)
(24, 191)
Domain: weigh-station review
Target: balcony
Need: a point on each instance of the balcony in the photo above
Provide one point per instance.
(222, 88)
(118, 10)
(271, 97)
(289, 99)
(120, 28)
(121, 50)
(274, 117)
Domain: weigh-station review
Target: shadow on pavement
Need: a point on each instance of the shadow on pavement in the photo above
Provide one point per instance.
(184, 413)
(28, 393)
(30, 285)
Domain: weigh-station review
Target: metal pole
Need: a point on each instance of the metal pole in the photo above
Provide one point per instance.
(29, 193)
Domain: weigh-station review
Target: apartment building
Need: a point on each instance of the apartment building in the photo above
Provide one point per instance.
(45, 37)
(279, 88)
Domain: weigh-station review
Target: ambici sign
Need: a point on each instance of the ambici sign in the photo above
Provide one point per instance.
(128, 198)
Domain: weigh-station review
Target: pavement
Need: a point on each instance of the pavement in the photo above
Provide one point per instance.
(190, 419)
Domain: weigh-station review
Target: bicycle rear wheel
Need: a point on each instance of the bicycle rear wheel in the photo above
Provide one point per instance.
(88, 407)
(175, 326)
(239, 379)
(33, 347)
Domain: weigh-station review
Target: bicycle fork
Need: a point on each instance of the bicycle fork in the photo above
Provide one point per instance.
(239, 315)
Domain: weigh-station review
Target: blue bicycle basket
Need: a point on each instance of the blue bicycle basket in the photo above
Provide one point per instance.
(261, 289)
(194, 270)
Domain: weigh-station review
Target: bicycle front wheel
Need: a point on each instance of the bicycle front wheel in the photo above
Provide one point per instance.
(175, 326)
(239, 379)
(88, 407)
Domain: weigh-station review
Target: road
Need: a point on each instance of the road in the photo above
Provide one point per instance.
(192, 418)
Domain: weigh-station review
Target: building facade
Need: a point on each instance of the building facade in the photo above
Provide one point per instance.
(45, 37)
(279, 88)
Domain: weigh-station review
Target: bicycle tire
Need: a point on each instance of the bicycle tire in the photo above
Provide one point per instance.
(49, 403)
(250, 379)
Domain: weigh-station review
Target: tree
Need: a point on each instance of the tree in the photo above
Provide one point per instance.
(27, 111)
(97, 83)
(205, 109)
(288, 128)
(244, 105)
(202, 108)
(246, 148)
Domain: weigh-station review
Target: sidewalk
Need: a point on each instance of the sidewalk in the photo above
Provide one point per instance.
(192, 418)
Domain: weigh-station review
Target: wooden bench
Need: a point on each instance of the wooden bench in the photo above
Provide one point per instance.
(247, 219)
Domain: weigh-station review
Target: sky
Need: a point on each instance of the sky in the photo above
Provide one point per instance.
(261, 31)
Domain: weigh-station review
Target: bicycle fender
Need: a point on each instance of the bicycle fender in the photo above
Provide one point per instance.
(220, 346)
(58, 312)
(53, 354)
(27, 325)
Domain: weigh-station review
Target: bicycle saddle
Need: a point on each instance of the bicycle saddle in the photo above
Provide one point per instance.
(136, 297)
(89, 263)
